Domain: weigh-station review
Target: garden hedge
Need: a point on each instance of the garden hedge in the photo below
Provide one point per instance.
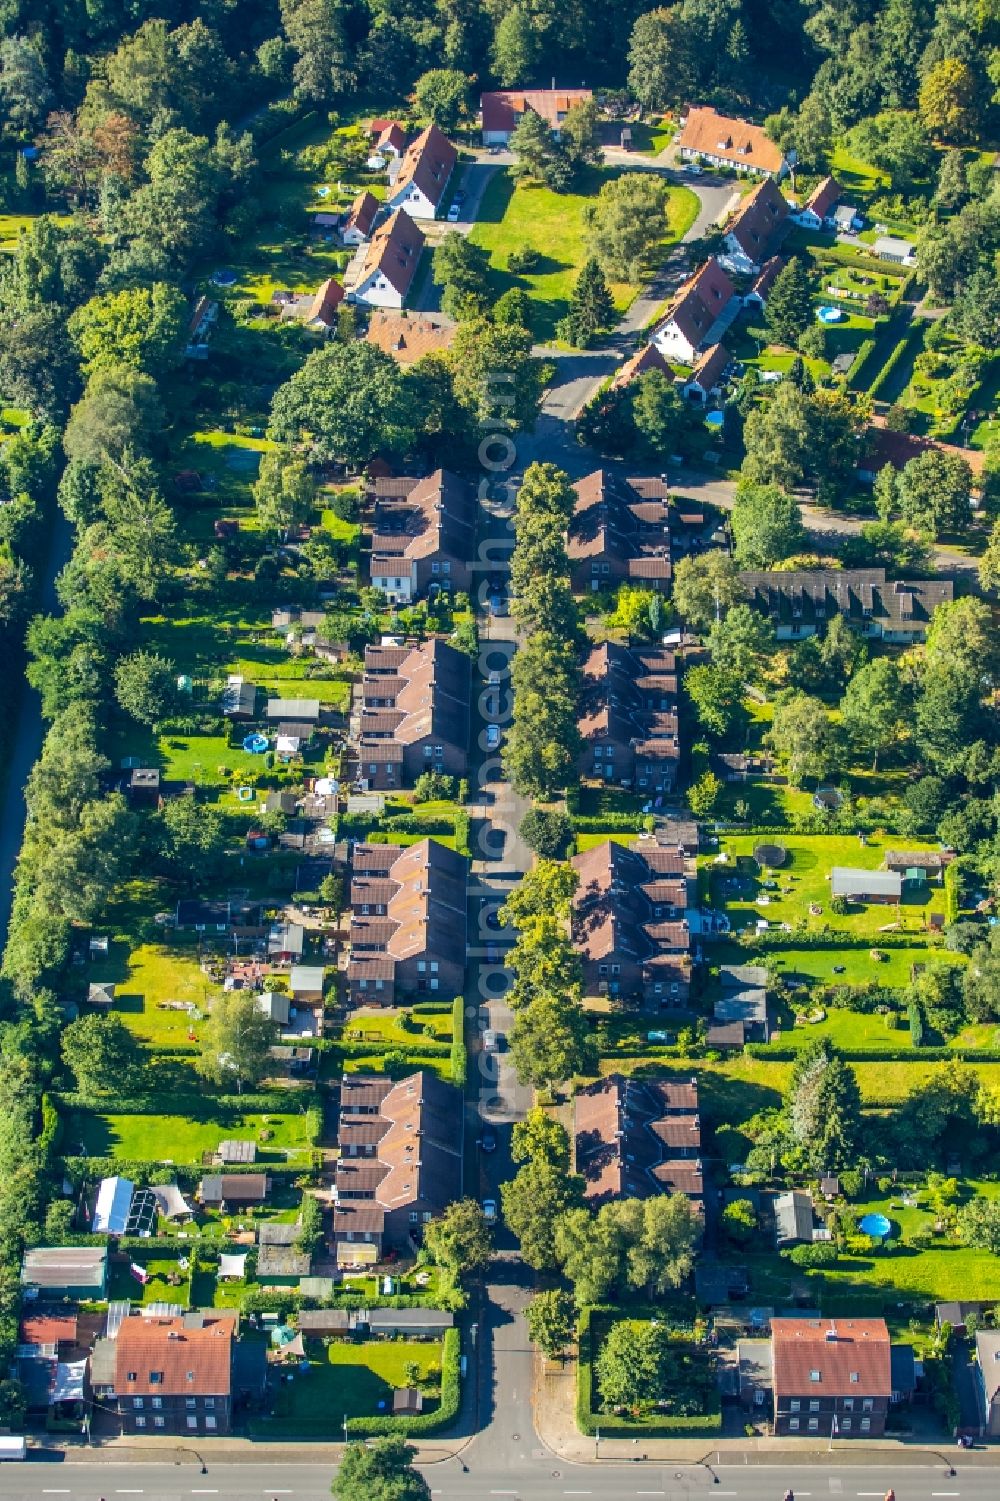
(205, 1105)
(608, 823)
(428, 1422)
(663, 1426)
(898, 353)
(459, 1052)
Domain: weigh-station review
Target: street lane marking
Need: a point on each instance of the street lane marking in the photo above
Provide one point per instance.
(945, 1493)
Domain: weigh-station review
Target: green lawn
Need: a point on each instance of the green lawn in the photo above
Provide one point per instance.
(803, 881)
(182, 1138)
(151, 973)
(733, 1089)
(168, 1282)
(515, 216)
(438, 1063)
(860, 180)
(386, 1026)
(345, 1380)
(649, 139)
(818, 965)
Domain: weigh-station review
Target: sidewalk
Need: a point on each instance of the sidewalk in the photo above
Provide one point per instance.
(217, 1451)
(555, 1424)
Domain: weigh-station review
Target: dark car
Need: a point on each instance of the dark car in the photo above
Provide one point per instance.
(488, 1141)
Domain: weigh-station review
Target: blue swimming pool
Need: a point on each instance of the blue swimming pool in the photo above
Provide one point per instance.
(715, 419)
(829, 314)
(874, 1224)
(255, 744)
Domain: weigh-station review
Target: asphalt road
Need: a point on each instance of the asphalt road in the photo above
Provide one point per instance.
(519, 1471)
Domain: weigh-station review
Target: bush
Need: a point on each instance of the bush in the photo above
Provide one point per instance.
(916, 1023)
(820, 1253)
(524, 261)
(851, 1183)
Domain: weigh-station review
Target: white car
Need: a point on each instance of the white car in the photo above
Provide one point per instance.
(453, 213)
(492, 736)
(490, 1211)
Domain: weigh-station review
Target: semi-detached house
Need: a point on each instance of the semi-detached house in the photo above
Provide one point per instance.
(408, 923)
(634, 1139)
(424, 174)
(415, 714)
(382, 271)
(502, 110)
(619, 533)
(753, 233)
(400, 1162)
(423, 535)
(629, 922)
(698, 316)
(628, 717)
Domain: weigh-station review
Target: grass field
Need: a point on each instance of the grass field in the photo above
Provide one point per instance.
(148, 974)
(346, 1380)
(168, 1282)
(856, 965)
(803, 881)
(515, 216)
(385, 1026)
(181, 1138)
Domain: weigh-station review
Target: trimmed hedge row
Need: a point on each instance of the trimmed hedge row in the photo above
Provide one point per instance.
(898, 353)
(776, 938)
(428, 1422)
(275, 1103)
(880, 1055)
(865, 350)
(423, 1046)
(459, 1052)
(609, 823)
(588, 1422)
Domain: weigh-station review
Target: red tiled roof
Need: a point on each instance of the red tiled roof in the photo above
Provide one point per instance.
(824, 196)
(362, 213)
(168, 1358)
(324, 305)
(709, 369)
(736, 141)
(427, 164)
(394, 250)
(47, 1329)
(898, 449)
(647, 358)
(757, 219)
(503, 109)
(700, 302)
(851, 1356)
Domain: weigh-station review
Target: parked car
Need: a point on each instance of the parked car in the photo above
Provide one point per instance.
(453, 213)
(693, 168)
(490, 1211)
(492, 736)
(491, 1041)
(658, 1036)
(488, 1141)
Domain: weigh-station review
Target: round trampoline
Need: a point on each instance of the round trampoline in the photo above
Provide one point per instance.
(874, 1224)
(772, 856)
(256, 744)
(715, 419)
(829, 314)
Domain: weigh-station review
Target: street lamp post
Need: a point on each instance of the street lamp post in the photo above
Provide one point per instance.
(597, 1443)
